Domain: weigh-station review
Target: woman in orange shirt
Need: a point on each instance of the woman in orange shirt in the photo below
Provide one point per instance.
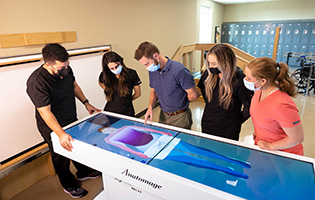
(276, 120)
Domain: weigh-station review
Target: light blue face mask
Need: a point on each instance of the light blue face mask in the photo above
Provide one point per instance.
(153, 67)
(117, 71)
(251, 85)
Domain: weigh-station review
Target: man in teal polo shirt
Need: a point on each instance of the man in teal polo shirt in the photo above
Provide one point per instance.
(171, 83)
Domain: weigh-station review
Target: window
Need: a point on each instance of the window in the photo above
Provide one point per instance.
(205, 25)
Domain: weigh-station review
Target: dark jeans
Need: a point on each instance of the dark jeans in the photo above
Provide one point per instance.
(62, 164)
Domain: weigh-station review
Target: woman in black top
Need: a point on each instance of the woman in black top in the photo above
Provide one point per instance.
(118, 83)
(227, 99)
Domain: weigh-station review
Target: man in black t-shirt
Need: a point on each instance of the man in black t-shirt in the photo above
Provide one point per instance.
(52, 89)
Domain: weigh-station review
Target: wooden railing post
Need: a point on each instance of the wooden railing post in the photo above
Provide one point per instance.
(276, 44)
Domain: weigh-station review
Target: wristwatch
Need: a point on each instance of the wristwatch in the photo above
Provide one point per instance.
(86, 101)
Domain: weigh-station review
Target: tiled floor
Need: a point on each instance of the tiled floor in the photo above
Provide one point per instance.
(50, 189)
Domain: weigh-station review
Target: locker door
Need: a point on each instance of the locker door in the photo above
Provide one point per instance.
(263, 50)
(303, 48)
(280, 55)
(295, 48)
(288, 33)
(264, 33)
(282, 33)
(311, 49)
(312, 38)
(306, 33)
(250, 34)
(249, 49)
(257, 33)
(272, 32)
(243, 47)
(287, 49)
(297, 30)
(224, 35)
(243, 36)
(256, 52)
(231, 33)
(237, 35)
(269, 50)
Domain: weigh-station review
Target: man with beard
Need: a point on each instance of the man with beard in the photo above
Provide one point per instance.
(171, 83)
(52, 89)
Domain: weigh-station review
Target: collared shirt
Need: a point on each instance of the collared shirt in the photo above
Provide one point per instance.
(170, 84)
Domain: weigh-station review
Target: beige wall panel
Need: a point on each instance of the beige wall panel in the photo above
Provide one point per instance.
(69, 36)
(268, 11)
(12, 40)
(43, 38)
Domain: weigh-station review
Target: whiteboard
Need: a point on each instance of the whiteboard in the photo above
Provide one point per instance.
(18, 131)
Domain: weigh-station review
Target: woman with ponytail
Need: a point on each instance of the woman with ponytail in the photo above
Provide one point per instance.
(227, 99)
(276, 120)
(118, 83)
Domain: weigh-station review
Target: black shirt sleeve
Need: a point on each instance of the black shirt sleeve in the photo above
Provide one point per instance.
(201, 83)
(37, 89)
(136, 79)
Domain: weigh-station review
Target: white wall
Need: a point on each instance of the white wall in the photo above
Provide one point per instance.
(270, 11)
(122, 23)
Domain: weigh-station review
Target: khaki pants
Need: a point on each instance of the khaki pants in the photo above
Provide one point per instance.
(182, 120)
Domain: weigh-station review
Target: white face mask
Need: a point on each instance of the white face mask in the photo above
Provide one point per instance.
(117, 71)
(250, 85)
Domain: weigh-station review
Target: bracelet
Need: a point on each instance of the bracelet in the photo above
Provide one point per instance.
(86, 101)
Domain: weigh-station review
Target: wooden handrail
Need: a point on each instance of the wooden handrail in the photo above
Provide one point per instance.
(243, 58)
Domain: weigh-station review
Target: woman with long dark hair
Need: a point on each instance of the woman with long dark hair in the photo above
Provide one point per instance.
(118, 83)
(276, 119)
(227, 99)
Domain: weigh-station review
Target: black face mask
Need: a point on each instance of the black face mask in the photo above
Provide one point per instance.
(214, 70)
(62, 72)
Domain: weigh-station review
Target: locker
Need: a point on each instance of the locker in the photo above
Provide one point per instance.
(243, 35)
(250, 34)
(287, 49)
(272, 33)
(295, 48)
(263, 50)
(280, 56)
(282, 28)
(303, 48)
(224, 35)
(231, 33)
(269, 51)
(249, 49)
(311, 49)
(256, 52)
(297, 30)
(288, 32)
(237, 34)
(264, 33)
(306, 33)
(312, 35)
(243, 47)
(257, 38)
(257, 33)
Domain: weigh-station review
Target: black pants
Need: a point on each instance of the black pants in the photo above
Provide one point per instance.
(61, 163)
